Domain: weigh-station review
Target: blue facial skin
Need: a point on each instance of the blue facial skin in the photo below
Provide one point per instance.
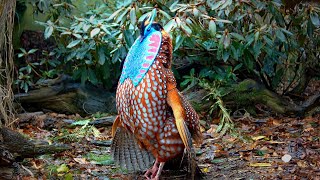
(136, 59)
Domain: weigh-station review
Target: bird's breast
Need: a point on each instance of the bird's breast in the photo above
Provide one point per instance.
(142, 108)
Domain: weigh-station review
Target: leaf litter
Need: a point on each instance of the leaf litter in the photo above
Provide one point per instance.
(272, 148)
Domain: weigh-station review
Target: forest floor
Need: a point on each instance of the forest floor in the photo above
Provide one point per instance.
(263, 148)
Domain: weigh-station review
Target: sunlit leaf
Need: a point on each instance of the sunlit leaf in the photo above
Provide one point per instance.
(315, 19)
(237, 36)
(48, 32)
(171, 24)
(74, 43)
(94, 32)
(133, 17)
(63, 168)
(212, 28)
(260, 164)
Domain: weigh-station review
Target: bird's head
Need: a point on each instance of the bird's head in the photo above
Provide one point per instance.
(148, 26)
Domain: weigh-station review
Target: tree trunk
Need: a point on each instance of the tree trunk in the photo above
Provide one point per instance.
(7, 11)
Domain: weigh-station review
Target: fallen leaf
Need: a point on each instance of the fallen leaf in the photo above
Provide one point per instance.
(255, 138)
(205, 170)
(260, 164)
(81, 160)
(62, 168)
(302, 164)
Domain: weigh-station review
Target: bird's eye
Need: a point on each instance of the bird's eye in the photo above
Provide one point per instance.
(149, 29)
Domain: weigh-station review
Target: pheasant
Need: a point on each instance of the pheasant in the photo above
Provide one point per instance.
(155, 123)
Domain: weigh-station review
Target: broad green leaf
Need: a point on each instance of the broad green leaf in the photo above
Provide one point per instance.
(48, 32)
(94, 32)
(116, 13)
(92, 77)
(128, 37)
(237, 36)
(280, 35)
(223, 21)
(216, 5)
(179, 41)
(77, 35)
(73, 43)
(212, 28)
(31, 51)
(102, 55)
(120, 18)
(63, 168)
(315, 19)
(165, 14)
(171, 24)
(86, 27)
(186, 28)
(133, 17)
(195, 12)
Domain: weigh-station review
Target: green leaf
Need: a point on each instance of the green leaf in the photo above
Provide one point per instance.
(116, 13)
(81, 122)
(133, 17)
(84, 76)
(179, 41)
(102, 55)
(20, 55)
(31, 51)
(92, 77)
(128, 37)
(315, 19)
(48, 32)
(94, 32)
(280, 35)
(63, 168)
(224, 21)
(23, 51)
(74, 43)
(119, 18)
(186, 28)
(212, 28)
(171, 24)
(215, 5)
(237, 36)
(237, 67)
(77, 35)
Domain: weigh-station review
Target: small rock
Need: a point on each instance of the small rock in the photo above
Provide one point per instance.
(286, 158)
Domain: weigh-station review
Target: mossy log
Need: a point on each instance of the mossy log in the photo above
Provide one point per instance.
(66, 96)
(249, 93)
(63, 95)
(21, 146)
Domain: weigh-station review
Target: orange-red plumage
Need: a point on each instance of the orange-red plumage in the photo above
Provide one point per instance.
(155, 113)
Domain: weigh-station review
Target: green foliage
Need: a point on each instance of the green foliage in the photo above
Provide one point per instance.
(28, 70)
(227, 39)
(84, 131)
(103, 159)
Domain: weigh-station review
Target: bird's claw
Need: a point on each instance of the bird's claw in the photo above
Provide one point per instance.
(151, 174)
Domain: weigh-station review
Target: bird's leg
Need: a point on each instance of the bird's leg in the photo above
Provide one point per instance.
(159, 171)
(152, 171)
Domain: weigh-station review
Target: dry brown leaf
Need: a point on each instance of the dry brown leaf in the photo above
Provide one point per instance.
(260, 164)
(81, 160)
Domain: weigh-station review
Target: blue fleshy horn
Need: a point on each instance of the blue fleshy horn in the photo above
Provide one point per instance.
(153, 15)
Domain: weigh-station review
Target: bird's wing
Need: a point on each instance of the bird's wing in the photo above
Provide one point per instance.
(179, 112)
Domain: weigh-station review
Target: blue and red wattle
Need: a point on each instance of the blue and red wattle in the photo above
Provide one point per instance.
(140, 57)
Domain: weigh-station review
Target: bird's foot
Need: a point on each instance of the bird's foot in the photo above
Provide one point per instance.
(151, 173)
(155, 171)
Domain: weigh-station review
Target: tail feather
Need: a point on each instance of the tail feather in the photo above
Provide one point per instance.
(127, 153)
